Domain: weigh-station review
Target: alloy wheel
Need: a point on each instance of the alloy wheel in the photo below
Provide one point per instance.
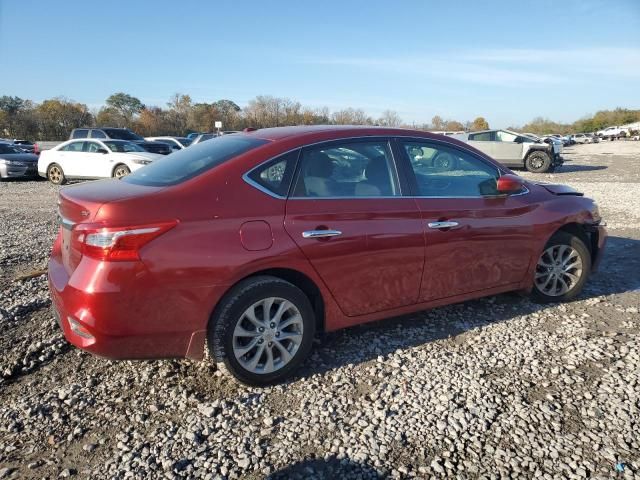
(121, 172)
(268, 335)
(55, 175)
(559, 269)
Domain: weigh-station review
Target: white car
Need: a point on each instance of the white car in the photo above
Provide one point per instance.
(582, 138)
(611, 133)
(176, 143)
(91, 158)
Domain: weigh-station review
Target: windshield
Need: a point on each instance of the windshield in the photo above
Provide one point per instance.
(185, 141)
(4, 148)
(123, 147)
(192, 161)
(121, 134)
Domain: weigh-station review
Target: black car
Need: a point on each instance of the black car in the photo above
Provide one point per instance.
(112, 133)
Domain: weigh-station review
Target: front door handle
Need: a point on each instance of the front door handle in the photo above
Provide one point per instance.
(321, 233)
(439, 225)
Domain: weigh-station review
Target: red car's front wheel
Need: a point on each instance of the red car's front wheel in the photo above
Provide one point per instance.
(562, 269)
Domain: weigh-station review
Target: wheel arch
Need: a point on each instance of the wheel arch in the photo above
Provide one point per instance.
(295, 277)
(589, 236)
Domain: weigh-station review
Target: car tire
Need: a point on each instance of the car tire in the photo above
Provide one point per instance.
(121, 170)
(566, 258)
(262, 357)
(537, 162)
(55, 174)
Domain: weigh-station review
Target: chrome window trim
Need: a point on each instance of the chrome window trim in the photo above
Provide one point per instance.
(265, 190)
(65, 222)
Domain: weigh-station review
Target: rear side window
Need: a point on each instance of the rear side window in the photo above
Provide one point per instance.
(73, 147)
(80, 133)
(481, 137)
(193, 161)
(350, 169)
(275, 176)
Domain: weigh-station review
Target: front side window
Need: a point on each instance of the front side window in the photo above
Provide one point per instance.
(505, 136)
(73, 147)
(193, 161)
(354, 169)
(481, 137)
(80, 133)
(275, 176)
(92, 147)
(442, 171)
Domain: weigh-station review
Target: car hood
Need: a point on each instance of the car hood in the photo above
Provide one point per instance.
(20, 157)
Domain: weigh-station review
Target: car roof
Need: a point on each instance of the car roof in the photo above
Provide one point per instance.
(341, 131)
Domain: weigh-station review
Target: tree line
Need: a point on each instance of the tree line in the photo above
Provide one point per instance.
(54, 118)
(589, 124)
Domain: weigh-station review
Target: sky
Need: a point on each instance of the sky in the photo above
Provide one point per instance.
(508, 61)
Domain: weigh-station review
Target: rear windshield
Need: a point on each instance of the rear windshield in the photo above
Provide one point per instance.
(192, 161)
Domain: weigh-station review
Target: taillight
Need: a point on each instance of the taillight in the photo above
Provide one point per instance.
(36, 149)
(117, 243)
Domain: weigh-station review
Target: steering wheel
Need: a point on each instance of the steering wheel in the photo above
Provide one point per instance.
(444, 161)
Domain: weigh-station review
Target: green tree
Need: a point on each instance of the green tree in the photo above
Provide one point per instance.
(9, 108)
(479, 124)
(124, 106)
(58, 116)
(453, 125)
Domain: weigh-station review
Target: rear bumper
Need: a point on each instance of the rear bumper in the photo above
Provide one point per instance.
(134, 319)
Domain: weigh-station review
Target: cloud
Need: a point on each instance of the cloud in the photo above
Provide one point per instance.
(503, 67)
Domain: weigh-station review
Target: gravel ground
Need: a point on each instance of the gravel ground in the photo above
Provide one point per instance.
(495, 387)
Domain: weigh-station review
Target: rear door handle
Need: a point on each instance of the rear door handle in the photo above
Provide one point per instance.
(439, 225)
(321, 233)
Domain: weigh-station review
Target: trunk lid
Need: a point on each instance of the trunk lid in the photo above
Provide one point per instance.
(80, 204)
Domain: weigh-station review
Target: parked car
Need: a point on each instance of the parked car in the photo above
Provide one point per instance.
(111, 133)
(176, 143)
(252, 242)
(514, 150)
(582, 138)
(16, 163)
(193, 135)
(203, 137)
(24, 145)
(612, 133)
(89, 159)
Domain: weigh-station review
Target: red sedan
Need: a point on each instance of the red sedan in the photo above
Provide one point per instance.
(252, 242)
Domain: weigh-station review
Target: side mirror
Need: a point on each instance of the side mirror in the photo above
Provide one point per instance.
(102, 150)
(510, 184)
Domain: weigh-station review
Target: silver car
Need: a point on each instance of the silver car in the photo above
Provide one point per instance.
(15, 163)
(517, 150)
